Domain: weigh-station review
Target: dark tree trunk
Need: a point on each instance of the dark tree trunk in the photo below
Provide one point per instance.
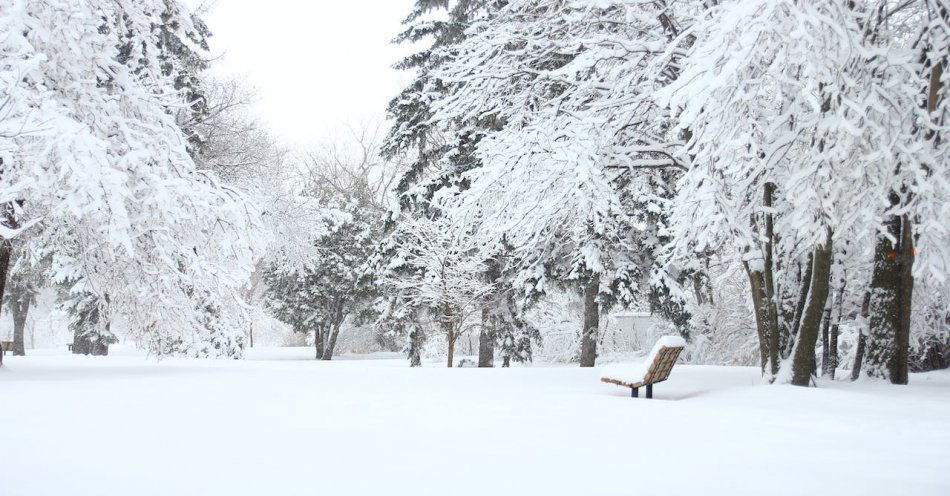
(829, 358)
(756, 285)
(859, 356)
(832, 352)
(451, 355)
(892, 287)
(6, 246)
(776, 334)
(825, 338)
(448, 326)
(331, 343)
(892, 282)
(591, 323)
(862, 340)
(820, 274)
(6, 249)
(805, 285)
(20, 308)
(318, 342)
(762, 287)
(506, 361)
(486, 345)
(416, 342)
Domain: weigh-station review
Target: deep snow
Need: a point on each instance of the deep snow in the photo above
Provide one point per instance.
(281, 423)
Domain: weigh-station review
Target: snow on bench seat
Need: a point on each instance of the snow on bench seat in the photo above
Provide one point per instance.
(655, 368)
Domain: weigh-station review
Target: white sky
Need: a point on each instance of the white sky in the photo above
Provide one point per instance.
(318, 65)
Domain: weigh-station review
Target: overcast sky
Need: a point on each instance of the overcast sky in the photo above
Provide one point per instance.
(319, 65)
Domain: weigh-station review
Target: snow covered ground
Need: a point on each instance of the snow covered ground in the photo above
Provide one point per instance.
(281, 423)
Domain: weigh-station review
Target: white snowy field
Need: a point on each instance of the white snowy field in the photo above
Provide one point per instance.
(281, 423)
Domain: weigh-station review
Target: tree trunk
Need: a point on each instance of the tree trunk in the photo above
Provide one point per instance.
(331, 343)
(486, 345)
(19, 307)
(805, 285)
(761, 274)
(451, 355)
(591, 323)
(832, 352)
(770, 306)
(892, 286)
(862, 339)
(416, 342)
(318, 342)
(829, 358)
(825, 337)
(6, 249)
(448, 326)
(820, 275)
(756, 285)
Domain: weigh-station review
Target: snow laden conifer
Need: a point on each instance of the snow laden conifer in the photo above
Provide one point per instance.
(577, 170)
(319, 295)
(439, 151)
(96, 166)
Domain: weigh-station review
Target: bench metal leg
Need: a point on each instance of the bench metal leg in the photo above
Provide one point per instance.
(649, 390)
(634, 392)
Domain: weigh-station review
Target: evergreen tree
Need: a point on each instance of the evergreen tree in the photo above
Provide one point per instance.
(333, 286)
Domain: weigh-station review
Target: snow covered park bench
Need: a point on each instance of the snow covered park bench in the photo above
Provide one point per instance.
(656, 368)
(6, 346)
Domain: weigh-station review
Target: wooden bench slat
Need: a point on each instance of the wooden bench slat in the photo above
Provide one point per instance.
(658, 371)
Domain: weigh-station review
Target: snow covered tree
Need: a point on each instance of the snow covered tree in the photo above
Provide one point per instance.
(438, 151)
(575, 170)
(23, 287)
(334, 286)
(436, 268)
(892, 282)
(797, 116)
(101, 175)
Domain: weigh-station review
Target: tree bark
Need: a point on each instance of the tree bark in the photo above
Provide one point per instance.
(486, 344)
(770, 306)
(318, 342)
(892, 286)
(832, 351)
(825, 338)
(448, 325)
(762, 286)
(331, 343)
(829, 351)
(451, 354)
(6, 249)
(861, 346)
(416, 342)
(859, 356)
(805, 285)
(820, 275)
(19, 307)
(756, 285)
(591, 323)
